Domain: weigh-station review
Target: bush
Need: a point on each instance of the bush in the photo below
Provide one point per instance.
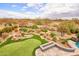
(44, 30)
(77, 30)
(53, 34)
(39, 38)
(65, 40)
(23, 29)
(39, 23)
(54, 39)
(7, 42)
(68, 27)
(7, 29)
(1, 32)
(34, 27)
(77, 35)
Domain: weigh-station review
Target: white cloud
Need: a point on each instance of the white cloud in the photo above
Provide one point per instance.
(31, 4)
(11, 14)
(14, 5)
(47, 11)
(25, 7)
(31, 15)
(57, 8)
(35, 5)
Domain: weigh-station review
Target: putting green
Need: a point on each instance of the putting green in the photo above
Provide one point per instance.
(22, 48)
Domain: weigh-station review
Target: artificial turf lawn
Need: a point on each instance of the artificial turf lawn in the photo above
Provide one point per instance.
(22, 48)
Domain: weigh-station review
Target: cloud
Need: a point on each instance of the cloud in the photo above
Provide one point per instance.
(59, 9)
(33, 9)
(14, 5)
(31, 4)
(10, 14)
(24, 7)
(31, 15)
(35, 5)
(49, 10)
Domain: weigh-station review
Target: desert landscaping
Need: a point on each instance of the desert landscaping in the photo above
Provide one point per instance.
(42, 37)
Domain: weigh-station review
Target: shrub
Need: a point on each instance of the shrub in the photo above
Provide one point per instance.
(65, 40)
(34, 27)
(39, 38)
(53, 34)
(6, 42)
(44, 30)
(77, 30)
(1, 32)
(39, 23)
(7, 29)
(23, 29)
(68, 27)
(54, 39)
(77, 35)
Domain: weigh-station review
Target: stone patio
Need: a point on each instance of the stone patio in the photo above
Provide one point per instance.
(55, 51)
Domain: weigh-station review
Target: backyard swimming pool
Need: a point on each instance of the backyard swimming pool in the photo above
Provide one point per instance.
(77, 44)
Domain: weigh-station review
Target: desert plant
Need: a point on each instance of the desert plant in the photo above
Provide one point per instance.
(68, 27)
(54, 39)
(44, 30)
(0, 32)
(77, 35)
(23, 29)
(34, 27)
(53, 34)
(7, 29)
(39, 38)
(39, 23)
(65, 40)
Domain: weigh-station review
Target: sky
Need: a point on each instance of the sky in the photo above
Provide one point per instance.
(39, 10)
